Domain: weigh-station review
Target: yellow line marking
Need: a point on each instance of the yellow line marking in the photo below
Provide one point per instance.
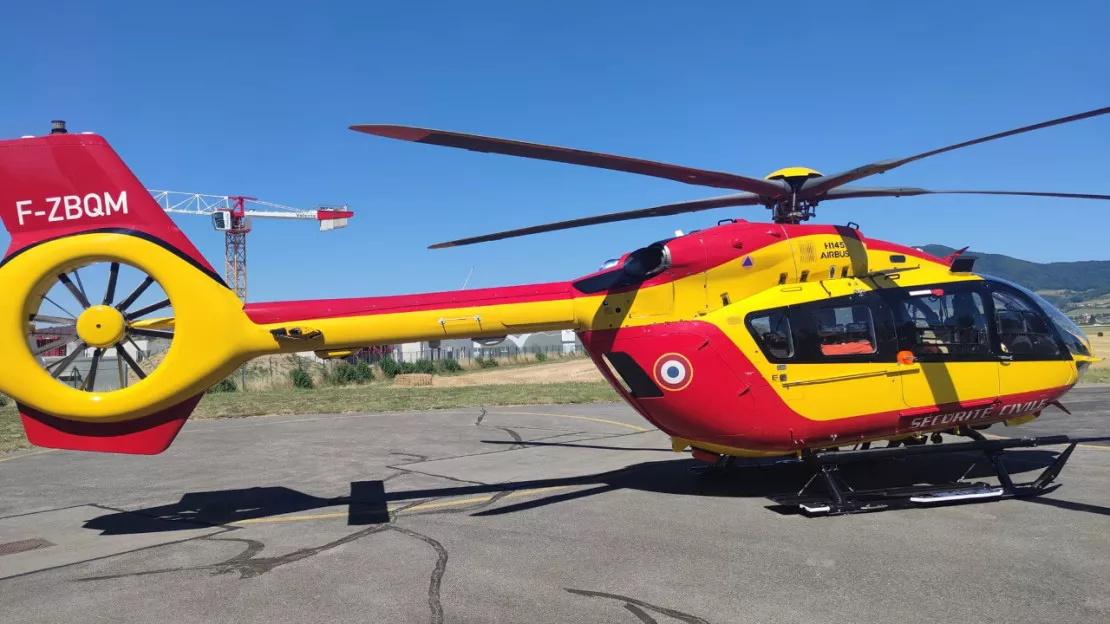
(288, 518)
(4, 459)
(395, 508)
(597, 420)
(402, 413)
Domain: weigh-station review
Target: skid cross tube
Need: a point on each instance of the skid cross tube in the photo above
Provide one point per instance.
(838, 500)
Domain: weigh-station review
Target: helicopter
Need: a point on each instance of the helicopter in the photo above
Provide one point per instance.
(757, 339)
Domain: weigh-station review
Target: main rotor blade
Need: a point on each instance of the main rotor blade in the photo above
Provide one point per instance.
(678, 173)
(737, 199)
(849, 192)
(816, 186)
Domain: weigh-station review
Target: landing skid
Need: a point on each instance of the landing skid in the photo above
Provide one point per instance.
(839, 498)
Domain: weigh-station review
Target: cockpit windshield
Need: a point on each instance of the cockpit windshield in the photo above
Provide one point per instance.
(1074, 337)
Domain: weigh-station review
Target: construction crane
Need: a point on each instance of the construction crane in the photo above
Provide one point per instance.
(232, 214)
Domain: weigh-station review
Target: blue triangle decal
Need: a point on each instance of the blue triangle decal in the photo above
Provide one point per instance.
(747, 261)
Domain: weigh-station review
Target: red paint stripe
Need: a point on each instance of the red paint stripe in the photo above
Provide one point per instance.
(148, 435)
(326, 215)
(284, 311)
(705, 456)
(39, 175)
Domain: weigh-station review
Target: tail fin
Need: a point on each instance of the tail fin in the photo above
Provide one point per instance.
(64, 184)
(53, 190)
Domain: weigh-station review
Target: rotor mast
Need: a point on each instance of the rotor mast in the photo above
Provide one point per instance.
(791, 209)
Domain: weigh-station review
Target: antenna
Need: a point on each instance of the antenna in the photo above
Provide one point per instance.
(467, 278)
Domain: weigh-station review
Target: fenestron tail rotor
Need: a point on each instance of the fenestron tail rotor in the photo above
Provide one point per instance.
(85, 339)
(792, 194)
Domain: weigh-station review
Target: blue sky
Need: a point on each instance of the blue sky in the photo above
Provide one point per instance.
(255, 98)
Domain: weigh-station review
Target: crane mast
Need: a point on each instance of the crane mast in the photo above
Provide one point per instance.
(232, 214)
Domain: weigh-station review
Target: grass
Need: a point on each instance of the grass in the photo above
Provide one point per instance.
(370, 398)
(1097, 375)
(11, 430)
(380, 398)
(514, 362)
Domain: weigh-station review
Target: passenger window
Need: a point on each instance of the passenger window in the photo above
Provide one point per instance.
(772, 332)
(1021, 329)
(953, 323)
(845, 330)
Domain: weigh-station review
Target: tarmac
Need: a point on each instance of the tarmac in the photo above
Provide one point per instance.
(528, 514)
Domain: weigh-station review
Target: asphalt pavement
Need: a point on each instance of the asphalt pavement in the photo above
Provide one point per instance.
(529, 514)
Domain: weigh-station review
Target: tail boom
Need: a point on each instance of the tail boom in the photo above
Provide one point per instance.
(69, 201)
(371, 321)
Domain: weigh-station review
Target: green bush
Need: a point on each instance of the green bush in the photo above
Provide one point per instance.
(226, 384)
(345, 374)
(487, 362)
(449, 365)
(389, 367)
(301, 379)
(363, 372)
(541, 357)
(426, 367)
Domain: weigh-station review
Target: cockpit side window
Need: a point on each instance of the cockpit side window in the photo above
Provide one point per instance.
(772, 332)
(845, 330)
(940, 324)
(1022, 330)
(1074, 339)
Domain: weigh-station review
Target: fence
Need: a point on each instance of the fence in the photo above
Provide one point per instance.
(465, 355)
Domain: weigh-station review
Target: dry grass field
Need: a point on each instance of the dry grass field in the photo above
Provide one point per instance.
(1100, 371)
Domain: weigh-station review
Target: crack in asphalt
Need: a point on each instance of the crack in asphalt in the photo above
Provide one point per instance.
(518, 442)
(637, 607)
(419, 458)
(247, 563)
(250, 562)
(640, 614)
(404, 471)
(436, 581)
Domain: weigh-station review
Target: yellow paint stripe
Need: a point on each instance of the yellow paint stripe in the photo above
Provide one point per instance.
(398, 510)
(5, 459)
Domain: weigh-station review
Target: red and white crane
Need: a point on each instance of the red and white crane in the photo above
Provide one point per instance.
(232, 214)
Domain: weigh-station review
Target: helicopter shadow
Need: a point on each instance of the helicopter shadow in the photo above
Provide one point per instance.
(369, 502)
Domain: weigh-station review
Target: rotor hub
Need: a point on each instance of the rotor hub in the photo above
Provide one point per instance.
(101, 326)
(790, 173)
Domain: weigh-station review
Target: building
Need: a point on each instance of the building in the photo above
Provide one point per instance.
(556, 342)
(108, 376)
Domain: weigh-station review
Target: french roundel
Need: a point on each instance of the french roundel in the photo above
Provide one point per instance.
(673, 371)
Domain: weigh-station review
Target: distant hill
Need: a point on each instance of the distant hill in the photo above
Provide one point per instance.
(1084, 280)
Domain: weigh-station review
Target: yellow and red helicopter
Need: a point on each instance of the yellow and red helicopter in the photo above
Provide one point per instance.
(757, 339)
